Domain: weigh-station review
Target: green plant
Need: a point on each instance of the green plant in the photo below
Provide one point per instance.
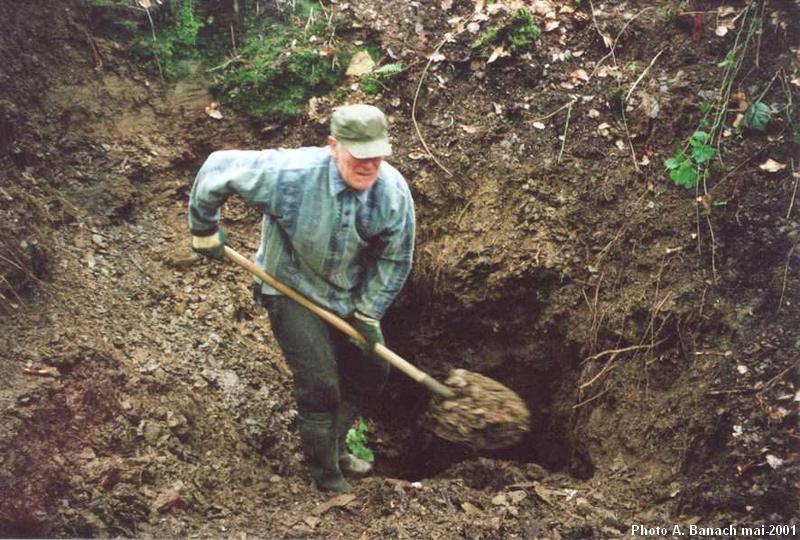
(685, 170)
(376, 81)
(519, 33)
(757, 116)
(280, 71)
(356, 441)
(170, 47)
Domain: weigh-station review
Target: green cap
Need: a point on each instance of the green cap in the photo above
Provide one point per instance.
(361, 129)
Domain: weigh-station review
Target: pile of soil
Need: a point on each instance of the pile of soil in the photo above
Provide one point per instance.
(143, 394)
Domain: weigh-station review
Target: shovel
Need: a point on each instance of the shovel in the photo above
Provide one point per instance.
(340, 324)
(476, 410)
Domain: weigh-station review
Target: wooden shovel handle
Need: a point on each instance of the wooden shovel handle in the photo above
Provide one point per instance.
(340, 324)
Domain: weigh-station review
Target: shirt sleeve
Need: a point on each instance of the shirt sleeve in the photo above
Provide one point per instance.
(387, 274)
(242, 172)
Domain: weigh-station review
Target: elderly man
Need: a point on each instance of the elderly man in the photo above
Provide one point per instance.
(338, 227)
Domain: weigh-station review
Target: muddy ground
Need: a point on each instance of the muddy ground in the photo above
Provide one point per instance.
(142, 393)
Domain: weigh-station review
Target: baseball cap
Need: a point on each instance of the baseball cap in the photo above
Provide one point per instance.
(361, 129)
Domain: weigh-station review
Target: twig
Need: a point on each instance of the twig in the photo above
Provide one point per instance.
(777, 377)
(619, 351)
(761, 31)
(630, 141)
(614, 45)
(785, 276)
(604, 37)
(594, 397)
(414, 108)
(635, 84)
(794, 193)
(564, 106)
(606, 368)
(566, 127)
(153, 30)
(732, 391)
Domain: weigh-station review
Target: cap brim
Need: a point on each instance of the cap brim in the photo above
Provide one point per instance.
(368, 149)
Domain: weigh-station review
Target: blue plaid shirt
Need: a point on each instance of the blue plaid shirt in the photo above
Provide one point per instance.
(344, 249)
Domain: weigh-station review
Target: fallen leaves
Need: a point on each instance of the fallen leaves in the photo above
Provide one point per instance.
(42, 371)
(340, 501)
(361, 64)
(772, 166)
(212, 110)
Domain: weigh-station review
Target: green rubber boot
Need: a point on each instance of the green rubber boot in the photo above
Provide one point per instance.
(318, 434)
(348, 463)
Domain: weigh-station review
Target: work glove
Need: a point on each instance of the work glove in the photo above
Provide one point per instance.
(212, 246)
(369, 328)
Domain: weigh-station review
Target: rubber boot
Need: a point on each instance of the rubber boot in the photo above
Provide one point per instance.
(348, 463)
(319, 437)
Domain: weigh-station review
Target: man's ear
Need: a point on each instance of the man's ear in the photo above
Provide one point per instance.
(332, 145)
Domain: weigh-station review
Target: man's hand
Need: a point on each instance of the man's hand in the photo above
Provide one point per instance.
(369, 328)
(212, 246)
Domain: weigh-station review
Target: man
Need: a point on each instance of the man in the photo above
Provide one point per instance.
(338, 227)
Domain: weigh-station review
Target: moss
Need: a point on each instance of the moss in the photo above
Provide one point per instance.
(518, 33)
(282, 71)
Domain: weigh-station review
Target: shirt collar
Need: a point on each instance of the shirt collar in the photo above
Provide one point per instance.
(337, 185)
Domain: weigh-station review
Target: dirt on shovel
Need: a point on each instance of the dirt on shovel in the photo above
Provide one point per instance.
(483, 414)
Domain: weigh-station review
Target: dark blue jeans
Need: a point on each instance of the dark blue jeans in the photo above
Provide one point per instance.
(328, 369)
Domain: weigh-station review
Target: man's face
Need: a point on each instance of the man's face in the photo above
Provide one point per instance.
(359, 174)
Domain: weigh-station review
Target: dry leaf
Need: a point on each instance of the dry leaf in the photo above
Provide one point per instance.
(145, 4)
(721, 30)
(538, 125)
(437, 57)
(551, 25)
(498, 52)
(469, 129)
(469, 509)
(212, 110)
(579, 75)
(361, 64)
(338, 501)
(772, 166)
(594, 113)
(447, 4)
(473, 27)
(417, 155)
(724, 11)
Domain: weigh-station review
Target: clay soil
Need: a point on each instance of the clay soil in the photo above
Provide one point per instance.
(654, 336)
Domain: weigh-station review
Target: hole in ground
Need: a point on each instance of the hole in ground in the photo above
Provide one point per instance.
(408, 450)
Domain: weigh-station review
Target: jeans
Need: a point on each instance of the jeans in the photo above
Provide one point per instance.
(328, 369)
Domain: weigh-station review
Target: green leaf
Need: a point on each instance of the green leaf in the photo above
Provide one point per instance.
(389, 69)
(356, 441)
(672, 163)
(699, 137)
(757, 116)
(703, 153)
(684, 176)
